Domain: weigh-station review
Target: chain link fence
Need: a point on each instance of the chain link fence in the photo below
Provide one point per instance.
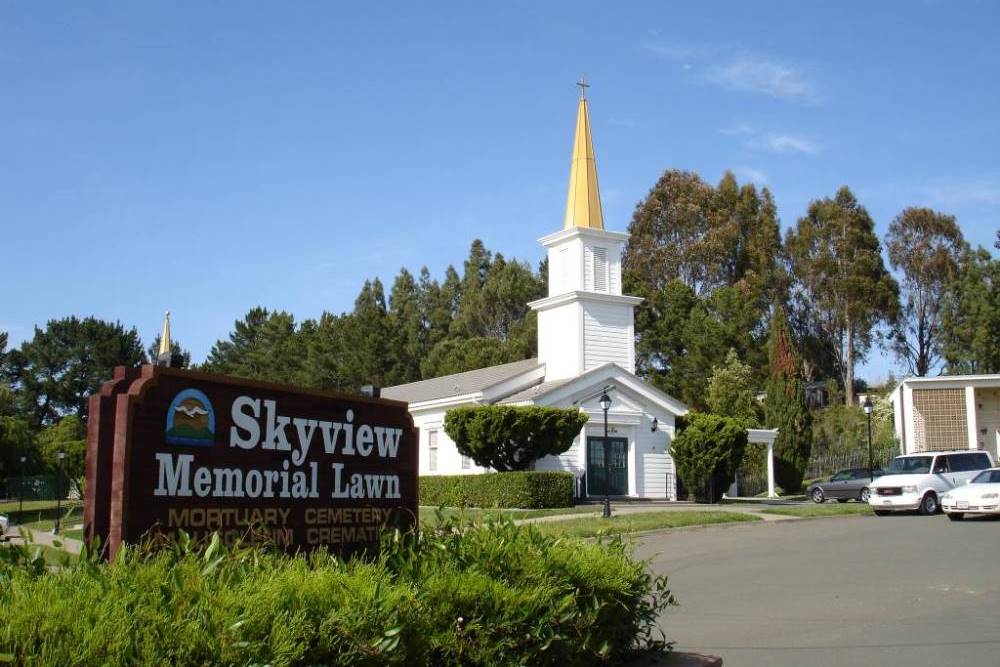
(37, 487)
(751, 479)
(827, 464)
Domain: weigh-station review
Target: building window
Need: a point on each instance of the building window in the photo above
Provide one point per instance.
(466, 462)
(939, 420)
(432, 450)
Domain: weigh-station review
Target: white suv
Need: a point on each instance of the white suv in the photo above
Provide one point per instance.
(916, 481)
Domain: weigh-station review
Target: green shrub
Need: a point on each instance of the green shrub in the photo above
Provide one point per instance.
(512, 437)
(523, 490)
(707, 453)
(485, 594)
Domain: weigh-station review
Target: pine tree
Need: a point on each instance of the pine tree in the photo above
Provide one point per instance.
(407, 329)
(55, 372)
(785, 407)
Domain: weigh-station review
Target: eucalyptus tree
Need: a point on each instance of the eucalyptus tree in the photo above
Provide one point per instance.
(842, 287)
(924, 246)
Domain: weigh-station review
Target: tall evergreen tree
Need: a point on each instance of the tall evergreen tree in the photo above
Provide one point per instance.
(843, 288)
(367, 342)
(708, 263)
(264, 345)
(55, 372)
(925, 246)
(407, 329)
(324, 366)
(731, 391)
(785, 407)
(971, 315)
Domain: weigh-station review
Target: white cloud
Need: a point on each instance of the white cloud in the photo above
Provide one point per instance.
(738, 130)
(982, 191)
(771, 142)
(744, 72)
(756, 176)
(781, 143)
(671, 50)
(763, 76)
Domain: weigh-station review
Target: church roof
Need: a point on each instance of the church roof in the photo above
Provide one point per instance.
(459, 384)
(583, 202)
(531, 393)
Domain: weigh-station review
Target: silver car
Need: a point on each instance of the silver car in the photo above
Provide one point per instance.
(845, 485)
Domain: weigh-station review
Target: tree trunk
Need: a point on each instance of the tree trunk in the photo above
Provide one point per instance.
(849, 365)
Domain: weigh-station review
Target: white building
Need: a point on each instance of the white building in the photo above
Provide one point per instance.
(586, 344)
(948, 412)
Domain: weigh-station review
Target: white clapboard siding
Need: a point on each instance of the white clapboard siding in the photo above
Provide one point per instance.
(656, 467)
(607, 335)
(571, 460)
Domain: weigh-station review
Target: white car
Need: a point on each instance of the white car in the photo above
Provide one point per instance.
(981, 495)
(4, 524)
(917, 481)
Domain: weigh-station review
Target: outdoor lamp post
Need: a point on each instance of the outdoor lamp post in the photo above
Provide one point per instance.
(20, 491)
(605, 405)
(869, 408)
(60, 456)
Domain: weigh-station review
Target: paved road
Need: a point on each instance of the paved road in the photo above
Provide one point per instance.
(899, 590)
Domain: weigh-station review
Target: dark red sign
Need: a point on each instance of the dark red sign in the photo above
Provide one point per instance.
(253, 461)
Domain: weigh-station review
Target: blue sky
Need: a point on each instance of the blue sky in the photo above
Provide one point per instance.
(208, 157)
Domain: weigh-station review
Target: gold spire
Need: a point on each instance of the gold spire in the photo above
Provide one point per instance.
(583, 202)
(163, 353)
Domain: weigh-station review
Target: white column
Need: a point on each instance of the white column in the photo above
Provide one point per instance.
(897, 414)
(970, 416)
(770, 469)
(909, 443)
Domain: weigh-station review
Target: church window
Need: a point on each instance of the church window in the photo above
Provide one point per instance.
(466, 462)
(432, 450)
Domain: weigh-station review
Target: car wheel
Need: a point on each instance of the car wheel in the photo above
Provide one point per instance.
(881, 512)
(817, 496)
(956, 516)
(865, 495)
(929, 504)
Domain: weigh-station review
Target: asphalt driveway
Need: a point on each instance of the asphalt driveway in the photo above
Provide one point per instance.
(897, 590)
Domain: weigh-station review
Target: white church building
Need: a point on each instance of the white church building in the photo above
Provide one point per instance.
(586, 346)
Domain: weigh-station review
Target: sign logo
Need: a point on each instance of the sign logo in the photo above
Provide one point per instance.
(191, 419)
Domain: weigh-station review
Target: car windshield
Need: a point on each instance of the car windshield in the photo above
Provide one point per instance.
(905, 465)
(987, 477)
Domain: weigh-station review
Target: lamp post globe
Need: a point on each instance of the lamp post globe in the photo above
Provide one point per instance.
(605, 402)
(869, 408)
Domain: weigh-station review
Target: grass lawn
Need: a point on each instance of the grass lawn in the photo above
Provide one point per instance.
(826, 509)
(429, 515)
(40, 515)
(635, 523)
(9, 507)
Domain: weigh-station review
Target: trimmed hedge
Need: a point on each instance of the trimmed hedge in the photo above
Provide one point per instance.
(482, 594)
(522, 490)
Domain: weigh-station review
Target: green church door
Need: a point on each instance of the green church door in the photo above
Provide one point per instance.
(617, 470)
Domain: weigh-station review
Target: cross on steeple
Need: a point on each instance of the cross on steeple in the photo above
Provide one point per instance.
(583, 86)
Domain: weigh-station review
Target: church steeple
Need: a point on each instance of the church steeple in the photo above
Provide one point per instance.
(583, 202)
(163, 352)
(585, 321)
